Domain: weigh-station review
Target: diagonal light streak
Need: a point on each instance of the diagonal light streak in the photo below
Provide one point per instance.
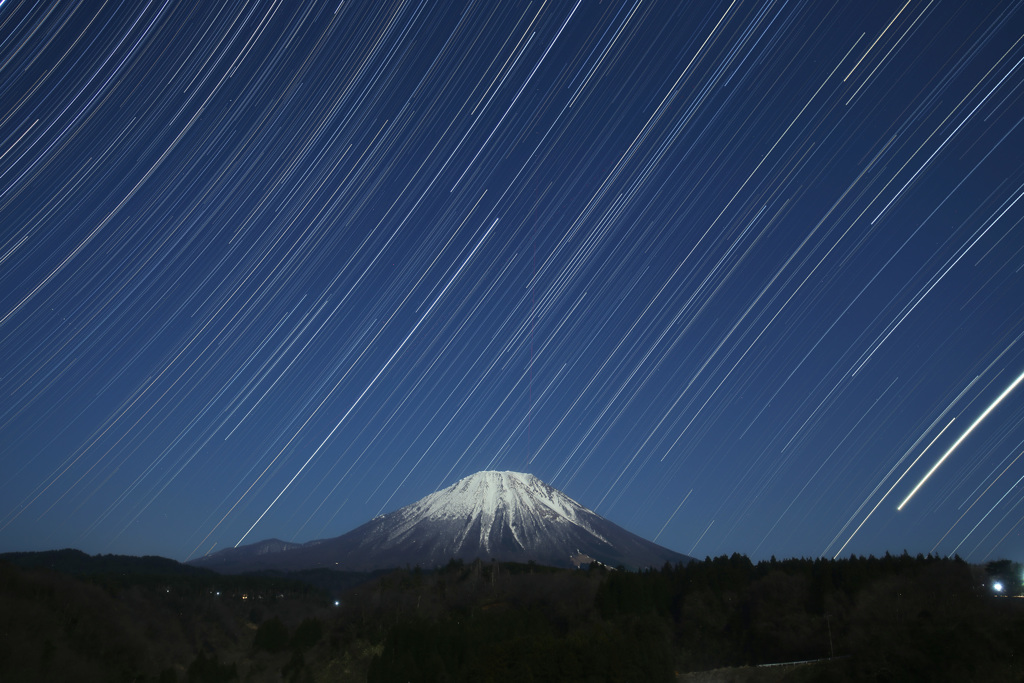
(967, 432)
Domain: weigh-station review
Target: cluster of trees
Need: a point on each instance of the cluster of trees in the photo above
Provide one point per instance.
(891, 618)
(67, 617)
(513, 622)
(888, 618)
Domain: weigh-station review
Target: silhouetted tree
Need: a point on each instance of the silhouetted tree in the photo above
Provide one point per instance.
(307, 634)
(207, 669)
(271, 636)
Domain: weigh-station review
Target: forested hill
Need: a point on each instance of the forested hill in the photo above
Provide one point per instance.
(78, 563)
(890, 618)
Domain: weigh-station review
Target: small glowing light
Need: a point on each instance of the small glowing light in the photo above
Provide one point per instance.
(337, 603)
(997, 587)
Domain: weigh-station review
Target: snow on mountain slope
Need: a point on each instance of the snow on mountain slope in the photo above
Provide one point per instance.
(508, 516)
(488, 502)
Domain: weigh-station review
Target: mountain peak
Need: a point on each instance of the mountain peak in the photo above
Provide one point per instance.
(488, 491)
(496, 510)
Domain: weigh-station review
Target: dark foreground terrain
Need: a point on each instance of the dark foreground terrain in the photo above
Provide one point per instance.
(65, 616)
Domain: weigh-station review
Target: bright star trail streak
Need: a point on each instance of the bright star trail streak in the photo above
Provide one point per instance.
(744, 260)
(967, 432)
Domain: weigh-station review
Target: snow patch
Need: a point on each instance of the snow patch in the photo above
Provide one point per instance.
(520, 502)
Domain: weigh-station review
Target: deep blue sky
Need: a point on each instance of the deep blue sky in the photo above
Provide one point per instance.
(733, 275)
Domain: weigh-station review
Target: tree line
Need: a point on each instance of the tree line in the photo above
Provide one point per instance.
(889, 618)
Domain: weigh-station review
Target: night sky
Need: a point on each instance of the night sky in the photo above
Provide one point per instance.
(736, 276)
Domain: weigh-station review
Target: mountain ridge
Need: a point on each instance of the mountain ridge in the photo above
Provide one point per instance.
(507, 516)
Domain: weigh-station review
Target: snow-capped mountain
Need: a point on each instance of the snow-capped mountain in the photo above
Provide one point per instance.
(507, 516)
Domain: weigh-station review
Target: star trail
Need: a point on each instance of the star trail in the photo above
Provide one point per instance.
(732, 275)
